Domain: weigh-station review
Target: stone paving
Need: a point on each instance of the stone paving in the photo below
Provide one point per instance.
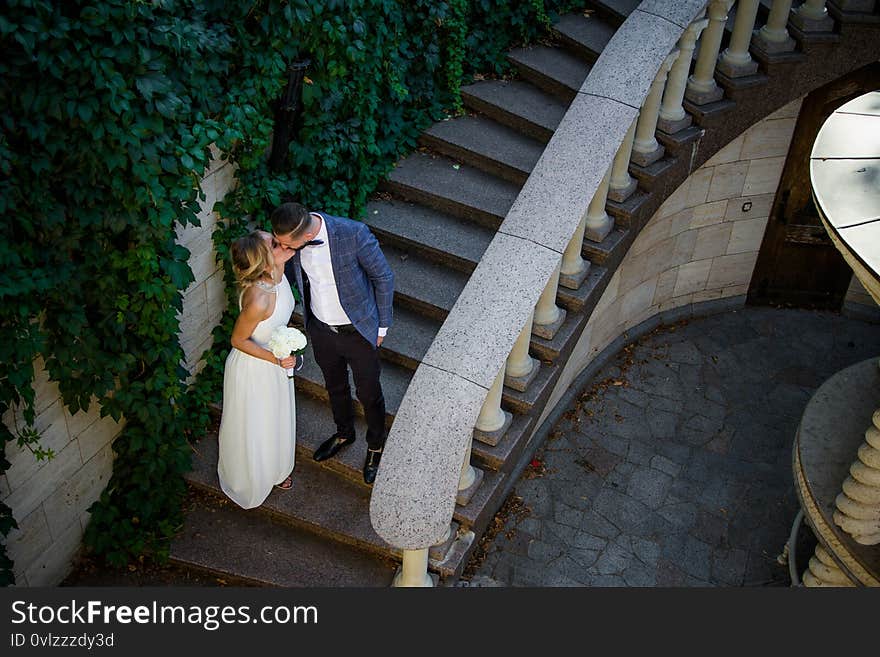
(673, 467)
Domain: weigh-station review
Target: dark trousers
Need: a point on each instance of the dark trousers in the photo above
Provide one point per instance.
(335, 353)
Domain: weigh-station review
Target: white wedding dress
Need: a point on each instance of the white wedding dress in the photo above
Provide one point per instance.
(258, 425)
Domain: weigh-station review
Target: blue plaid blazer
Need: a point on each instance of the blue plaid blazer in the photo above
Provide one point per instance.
(364, 280)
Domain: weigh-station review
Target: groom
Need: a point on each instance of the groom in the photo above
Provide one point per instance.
(347, 288)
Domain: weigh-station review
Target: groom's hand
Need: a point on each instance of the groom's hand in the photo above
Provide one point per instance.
(379, 340)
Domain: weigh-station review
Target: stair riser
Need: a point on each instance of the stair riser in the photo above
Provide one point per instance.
(476, 160)
(504, 117)
(319, 392)
(442, 204)
(422, 307)
(576, 48)
(424, 250)
(545, 83)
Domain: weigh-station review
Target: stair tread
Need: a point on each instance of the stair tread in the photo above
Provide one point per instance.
(589, 32)
(430, 229)
(423, 280)
(464, 185)
(619, 9)
(489, 139)
(519, 99)
(219, 536)
(553, 63)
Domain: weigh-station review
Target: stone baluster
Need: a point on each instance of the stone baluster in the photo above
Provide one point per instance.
(574, 268)
(735, 61)
(773, 37)
(858, 506)
(672, 116)
(598, 223)
(622, 184)
(491, 424)
(701, 87)
(812, 16)
(521, 367)
(646, 149)
(548, 316)
(414, 571)
(824, 571)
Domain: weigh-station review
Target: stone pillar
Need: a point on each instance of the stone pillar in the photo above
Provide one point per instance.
(646, 150)
(702, 88)
(521, 368)
(548, 316)
(622, 184)
(598, 223)
(812, 16)
(672, 116)
(858, 506)
(736, 62)
(773, 37)
(493, 421)
(574, 268)
(414, 571)
(824, 571)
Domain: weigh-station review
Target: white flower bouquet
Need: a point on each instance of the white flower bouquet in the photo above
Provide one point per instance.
(286, 341)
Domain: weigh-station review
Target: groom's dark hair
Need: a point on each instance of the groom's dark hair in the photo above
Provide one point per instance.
(290, 219)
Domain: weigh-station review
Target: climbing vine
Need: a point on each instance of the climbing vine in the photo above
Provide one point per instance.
(108, 111)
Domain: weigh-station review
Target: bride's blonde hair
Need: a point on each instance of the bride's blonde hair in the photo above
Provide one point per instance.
(251, 257)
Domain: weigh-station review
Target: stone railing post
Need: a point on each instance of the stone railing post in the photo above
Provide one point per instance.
(646, 149)
(598, 223)
(492, 422)
(414, 571)
(622, 185)
(701, 87)
(736, 62)
(548, 316)
(521, 367)
(812, 16)
(574, 268)
(858, 506)
(773, 37)
(672, 116)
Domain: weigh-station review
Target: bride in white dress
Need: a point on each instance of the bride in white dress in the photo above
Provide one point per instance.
(257, 428)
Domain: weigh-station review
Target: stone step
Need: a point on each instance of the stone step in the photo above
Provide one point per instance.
(584, 34)
(522, 403)
(649, 175)
(614, 11)
(453, 188)
(549, 350)
(504, 455)
(395, 379)
(552, 69)
(424, 286)
(517, 104)
(437, 236)
(576, 300)
(600, 252)
(408, 340)
(221, 538)
(624, 213)
(332, 507)
(485, 144)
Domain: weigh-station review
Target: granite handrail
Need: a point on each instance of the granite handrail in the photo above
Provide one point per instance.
(414, 494)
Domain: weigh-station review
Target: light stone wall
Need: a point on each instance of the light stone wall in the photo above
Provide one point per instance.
(701, 244)
(49, 498)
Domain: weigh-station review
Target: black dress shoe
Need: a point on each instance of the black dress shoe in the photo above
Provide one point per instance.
(371, 464)
(330, 446)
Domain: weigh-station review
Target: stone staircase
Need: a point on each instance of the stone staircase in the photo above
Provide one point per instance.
(435, 215)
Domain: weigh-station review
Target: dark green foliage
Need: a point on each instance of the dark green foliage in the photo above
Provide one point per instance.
(108, 109)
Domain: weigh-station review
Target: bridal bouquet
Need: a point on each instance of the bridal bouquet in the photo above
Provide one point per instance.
(287, 341)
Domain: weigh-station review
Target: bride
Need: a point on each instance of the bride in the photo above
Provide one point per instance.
(257, 427)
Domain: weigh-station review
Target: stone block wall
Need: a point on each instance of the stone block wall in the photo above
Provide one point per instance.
(49, 498)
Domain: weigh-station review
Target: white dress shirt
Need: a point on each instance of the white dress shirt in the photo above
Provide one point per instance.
(318, 267)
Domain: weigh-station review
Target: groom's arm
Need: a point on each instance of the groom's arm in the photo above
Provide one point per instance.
(379, 272)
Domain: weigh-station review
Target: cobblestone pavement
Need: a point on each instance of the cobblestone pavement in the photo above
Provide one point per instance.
(673, 467)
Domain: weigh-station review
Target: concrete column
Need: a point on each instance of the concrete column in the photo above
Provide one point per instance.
(574, 268)
(548, 316)
(773, 37)
(646, 150)
(599, 224)
(521, 368)
(702, 88)
(672, 116)
(622, 184)
(736, 62)
(414, 571)
(812, 16)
